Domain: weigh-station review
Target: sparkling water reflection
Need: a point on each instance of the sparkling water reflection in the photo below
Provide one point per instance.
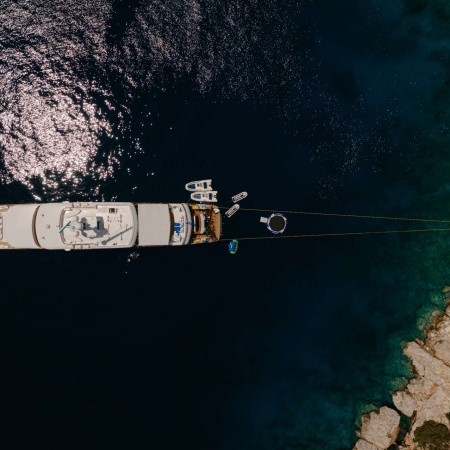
(50, 125)
(73, 75)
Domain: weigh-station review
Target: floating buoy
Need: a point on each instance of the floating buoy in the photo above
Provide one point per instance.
(276, 223)
(233, 246)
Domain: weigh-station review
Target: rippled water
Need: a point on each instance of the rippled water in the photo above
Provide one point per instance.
(338, 106)
(73, 75)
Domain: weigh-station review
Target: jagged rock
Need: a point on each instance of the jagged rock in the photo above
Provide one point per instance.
(428, 394)
(380, 428)
(438, 338)
(364, 445)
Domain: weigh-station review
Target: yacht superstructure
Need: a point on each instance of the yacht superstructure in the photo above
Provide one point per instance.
(103, 225)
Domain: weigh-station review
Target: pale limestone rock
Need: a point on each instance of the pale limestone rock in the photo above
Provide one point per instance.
(428, 394)
(438, 339)
(380, 428)
(425, 365)
(413, 396)
(364, 445)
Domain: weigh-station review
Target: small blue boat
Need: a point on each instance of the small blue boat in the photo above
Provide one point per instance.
(233, 246)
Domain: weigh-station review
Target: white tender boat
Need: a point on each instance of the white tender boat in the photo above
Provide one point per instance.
(205, 196)
(103, 225)
(233, 210)
(201, 185)
(238, 197)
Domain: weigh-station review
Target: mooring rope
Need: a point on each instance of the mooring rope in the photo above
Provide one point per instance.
(357, 216)
(354, 233)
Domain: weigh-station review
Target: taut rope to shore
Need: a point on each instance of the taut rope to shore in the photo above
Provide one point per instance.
(352, 233)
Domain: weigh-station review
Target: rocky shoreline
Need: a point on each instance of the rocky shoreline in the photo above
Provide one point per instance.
(420, 415)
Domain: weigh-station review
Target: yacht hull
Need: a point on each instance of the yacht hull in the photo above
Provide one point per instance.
(106, 225)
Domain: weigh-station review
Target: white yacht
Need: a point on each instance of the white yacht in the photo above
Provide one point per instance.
(103, 225)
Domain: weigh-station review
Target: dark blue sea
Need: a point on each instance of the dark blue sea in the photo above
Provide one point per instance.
(331, 106)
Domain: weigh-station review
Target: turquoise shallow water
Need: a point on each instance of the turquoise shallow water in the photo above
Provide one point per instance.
(325, 106)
